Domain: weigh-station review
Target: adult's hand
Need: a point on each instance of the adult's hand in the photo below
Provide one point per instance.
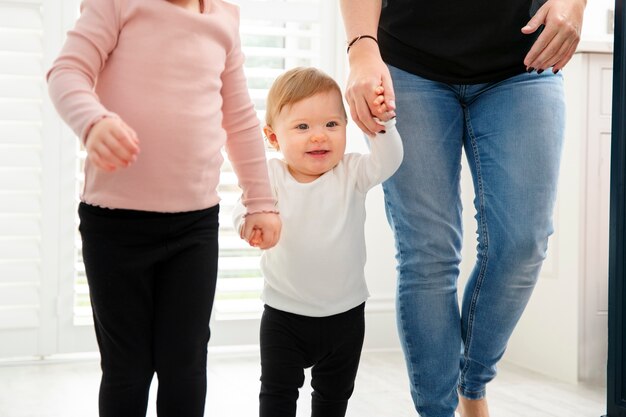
(368, 72)
(557, 43)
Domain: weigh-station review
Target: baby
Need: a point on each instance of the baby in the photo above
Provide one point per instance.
(315, 288)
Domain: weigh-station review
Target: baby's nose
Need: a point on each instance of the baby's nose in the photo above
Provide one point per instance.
(318, 137)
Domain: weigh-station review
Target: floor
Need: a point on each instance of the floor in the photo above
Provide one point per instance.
(69, 388)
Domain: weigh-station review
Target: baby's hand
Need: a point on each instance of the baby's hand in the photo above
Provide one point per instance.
(112, 144)
(261, 230)
(380, 109)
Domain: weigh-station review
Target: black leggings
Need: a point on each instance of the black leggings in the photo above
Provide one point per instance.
(291, 342)
(152, 283)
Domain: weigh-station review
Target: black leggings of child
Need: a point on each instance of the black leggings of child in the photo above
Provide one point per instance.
(152, 283)
(290, 343)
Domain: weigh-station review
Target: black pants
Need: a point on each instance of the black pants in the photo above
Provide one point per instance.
(290, 343)
(152, 283)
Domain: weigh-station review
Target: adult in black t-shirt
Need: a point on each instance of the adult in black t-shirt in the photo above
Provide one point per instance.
(484, 77)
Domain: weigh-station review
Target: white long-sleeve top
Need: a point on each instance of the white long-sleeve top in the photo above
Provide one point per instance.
(317, 267)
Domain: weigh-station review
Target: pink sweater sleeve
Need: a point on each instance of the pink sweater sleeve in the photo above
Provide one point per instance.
(244, 143)
(73, 74)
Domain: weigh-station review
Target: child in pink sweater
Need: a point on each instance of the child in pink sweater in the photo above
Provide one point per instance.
(154, 89)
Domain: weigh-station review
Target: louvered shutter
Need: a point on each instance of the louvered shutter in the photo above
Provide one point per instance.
(28, 184)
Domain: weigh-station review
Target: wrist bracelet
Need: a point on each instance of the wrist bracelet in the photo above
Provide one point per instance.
(358, 38)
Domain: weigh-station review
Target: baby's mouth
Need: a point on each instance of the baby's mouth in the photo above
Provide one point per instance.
(318, 152)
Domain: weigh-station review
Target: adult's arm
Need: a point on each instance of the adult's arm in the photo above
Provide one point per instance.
(367, 69)
(563, 20)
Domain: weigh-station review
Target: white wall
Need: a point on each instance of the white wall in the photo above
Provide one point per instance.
(595, 25)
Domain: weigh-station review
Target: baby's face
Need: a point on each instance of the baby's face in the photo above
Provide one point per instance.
(311, 135)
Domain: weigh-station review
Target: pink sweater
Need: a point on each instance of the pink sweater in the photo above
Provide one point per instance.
(176, 77)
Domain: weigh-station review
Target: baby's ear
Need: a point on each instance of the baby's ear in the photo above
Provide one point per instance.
(271, 137)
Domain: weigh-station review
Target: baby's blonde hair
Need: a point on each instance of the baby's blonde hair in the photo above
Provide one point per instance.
(295, 85)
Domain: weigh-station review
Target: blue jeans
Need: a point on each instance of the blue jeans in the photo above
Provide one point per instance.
(512, 133)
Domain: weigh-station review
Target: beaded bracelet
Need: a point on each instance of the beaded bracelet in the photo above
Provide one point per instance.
(358, 38)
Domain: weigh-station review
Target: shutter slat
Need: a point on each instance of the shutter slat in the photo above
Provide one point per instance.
(239, 306)
(20, 202)
(20, 87)
(28, 41)
(19, 248)
(284, 11)
(20, 156)
(21, 64)
(255, 51)
(236, 284)
(12, 271)
(26, 133)
(278, 31)
(19, 295)
(20, 225)
(20, 179)
(21, 110)
(26, 317)
(21, 15)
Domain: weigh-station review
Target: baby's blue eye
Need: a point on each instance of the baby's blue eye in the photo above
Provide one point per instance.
(302, 126)
(332, 124)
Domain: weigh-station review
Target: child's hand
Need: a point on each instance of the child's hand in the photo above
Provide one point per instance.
(112, 144)
(380, 109)
(261, 230)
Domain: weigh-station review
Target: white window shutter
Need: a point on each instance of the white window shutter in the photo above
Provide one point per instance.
(21, 185)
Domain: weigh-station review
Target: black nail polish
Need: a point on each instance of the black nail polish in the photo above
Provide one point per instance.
(556, 72)
(530, 69)
(539, 71)
(383, 131)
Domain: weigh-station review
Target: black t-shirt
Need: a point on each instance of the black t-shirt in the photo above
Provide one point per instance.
(456, 41)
